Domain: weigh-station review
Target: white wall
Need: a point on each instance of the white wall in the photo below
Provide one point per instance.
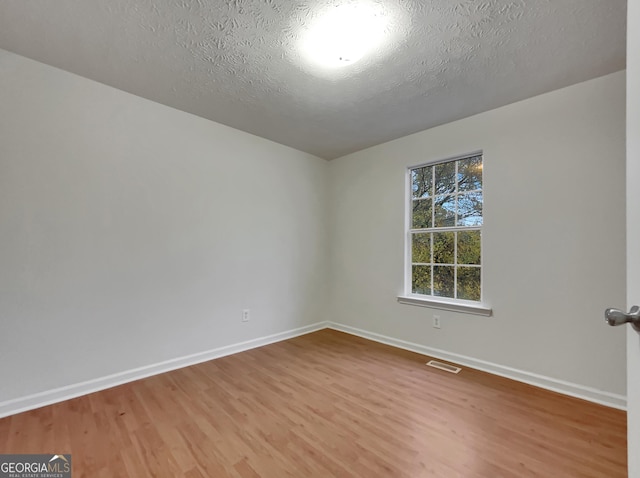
(132, 233)
(553, 239)
(633, 231)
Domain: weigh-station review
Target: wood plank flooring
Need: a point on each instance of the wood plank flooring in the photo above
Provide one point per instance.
(322, 405)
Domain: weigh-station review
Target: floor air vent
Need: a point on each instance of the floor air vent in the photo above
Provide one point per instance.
(443, 366)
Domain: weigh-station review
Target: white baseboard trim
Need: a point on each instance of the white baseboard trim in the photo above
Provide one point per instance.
(37, 400)
(567, 388)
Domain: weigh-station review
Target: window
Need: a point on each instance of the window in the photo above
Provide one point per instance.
(445, 230)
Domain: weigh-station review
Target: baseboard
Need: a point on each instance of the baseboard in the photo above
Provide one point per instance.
(37, 400)
(567, 388)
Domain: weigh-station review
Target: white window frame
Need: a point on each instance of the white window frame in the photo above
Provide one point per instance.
(435, 302)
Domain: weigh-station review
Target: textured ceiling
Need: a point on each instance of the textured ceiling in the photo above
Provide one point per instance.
(238, 62)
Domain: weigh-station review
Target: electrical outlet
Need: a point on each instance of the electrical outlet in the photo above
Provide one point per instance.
(246, 313)
(436, 321)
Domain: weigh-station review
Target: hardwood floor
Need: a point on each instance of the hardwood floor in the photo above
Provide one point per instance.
(322, 405)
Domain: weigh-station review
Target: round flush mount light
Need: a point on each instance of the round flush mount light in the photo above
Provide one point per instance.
(344, 34)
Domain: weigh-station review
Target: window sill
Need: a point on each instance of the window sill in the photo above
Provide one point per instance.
(465, 308)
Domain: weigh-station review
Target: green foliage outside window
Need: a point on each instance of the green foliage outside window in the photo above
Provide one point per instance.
(446, 222)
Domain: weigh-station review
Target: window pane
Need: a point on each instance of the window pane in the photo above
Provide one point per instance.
(421, 280)
(421, 250)
(469, 247)
(421, 182)
(446, 263)
(421, 215)
(469, 283)
(445, 211)
(443, 247)
(470, 174)
(469, 209)
(445, 178)
(443, 281)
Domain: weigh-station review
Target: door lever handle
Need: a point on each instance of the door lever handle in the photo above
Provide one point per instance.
(617, 317)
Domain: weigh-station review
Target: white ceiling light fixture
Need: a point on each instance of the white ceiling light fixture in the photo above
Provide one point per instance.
(344, 34)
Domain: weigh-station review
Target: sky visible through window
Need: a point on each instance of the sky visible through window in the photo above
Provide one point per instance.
(446, 220)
